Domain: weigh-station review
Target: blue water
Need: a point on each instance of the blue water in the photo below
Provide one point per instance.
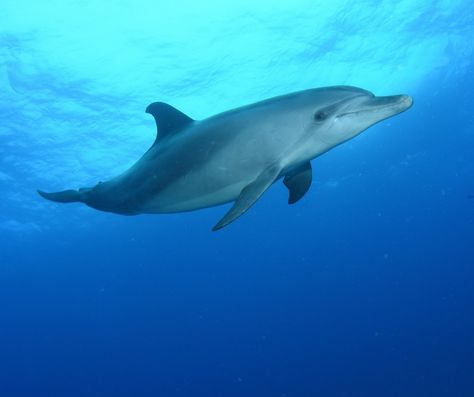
(364, 288)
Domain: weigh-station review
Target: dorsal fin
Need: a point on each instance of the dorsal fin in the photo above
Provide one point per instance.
(168, 119)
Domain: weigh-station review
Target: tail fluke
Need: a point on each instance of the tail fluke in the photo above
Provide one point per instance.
(66, 196)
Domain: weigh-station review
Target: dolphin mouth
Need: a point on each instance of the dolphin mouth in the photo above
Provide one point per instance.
(389, 105)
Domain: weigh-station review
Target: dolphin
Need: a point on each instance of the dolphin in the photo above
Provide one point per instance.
(237, 155)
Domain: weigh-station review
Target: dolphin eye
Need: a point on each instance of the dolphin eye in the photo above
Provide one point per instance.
(321, 115)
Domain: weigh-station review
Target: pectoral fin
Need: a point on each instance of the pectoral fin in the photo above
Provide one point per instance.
(298, 182)
(249, 195)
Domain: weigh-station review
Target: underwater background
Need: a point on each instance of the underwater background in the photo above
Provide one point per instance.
(364, 288)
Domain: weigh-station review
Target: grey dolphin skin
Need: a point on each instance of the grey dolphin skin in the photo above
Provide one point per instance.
(237, 155)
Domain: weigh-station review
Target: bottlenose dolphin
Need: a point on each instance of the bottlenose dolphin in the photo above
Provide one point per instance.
(237, 155)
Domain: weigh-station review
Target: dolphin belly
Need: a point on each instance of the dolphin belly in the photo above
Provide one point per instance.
(175, 201)
(204, 187)
(203, 180)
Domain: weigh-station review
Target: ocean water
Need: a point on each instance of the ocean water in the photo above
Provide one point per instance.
(364, 288)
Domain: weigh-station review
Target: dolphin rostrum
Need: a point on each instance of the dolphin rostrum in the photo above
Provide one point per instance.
(237, 155)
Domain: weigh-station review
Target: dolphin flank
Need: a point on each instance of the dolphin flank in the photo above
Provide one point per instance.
(237, 155)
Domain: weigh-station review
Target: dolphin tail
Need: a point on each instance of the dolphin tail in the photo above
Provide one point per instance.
(65, 196)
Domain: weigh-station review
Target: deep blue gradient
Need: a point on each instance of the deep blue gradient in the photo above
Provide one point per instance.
(364, 288)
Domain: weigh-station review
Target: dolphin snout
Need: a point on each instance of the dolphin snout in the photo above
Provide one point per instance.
(395, 102)
(392, 100)
(406, 100)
